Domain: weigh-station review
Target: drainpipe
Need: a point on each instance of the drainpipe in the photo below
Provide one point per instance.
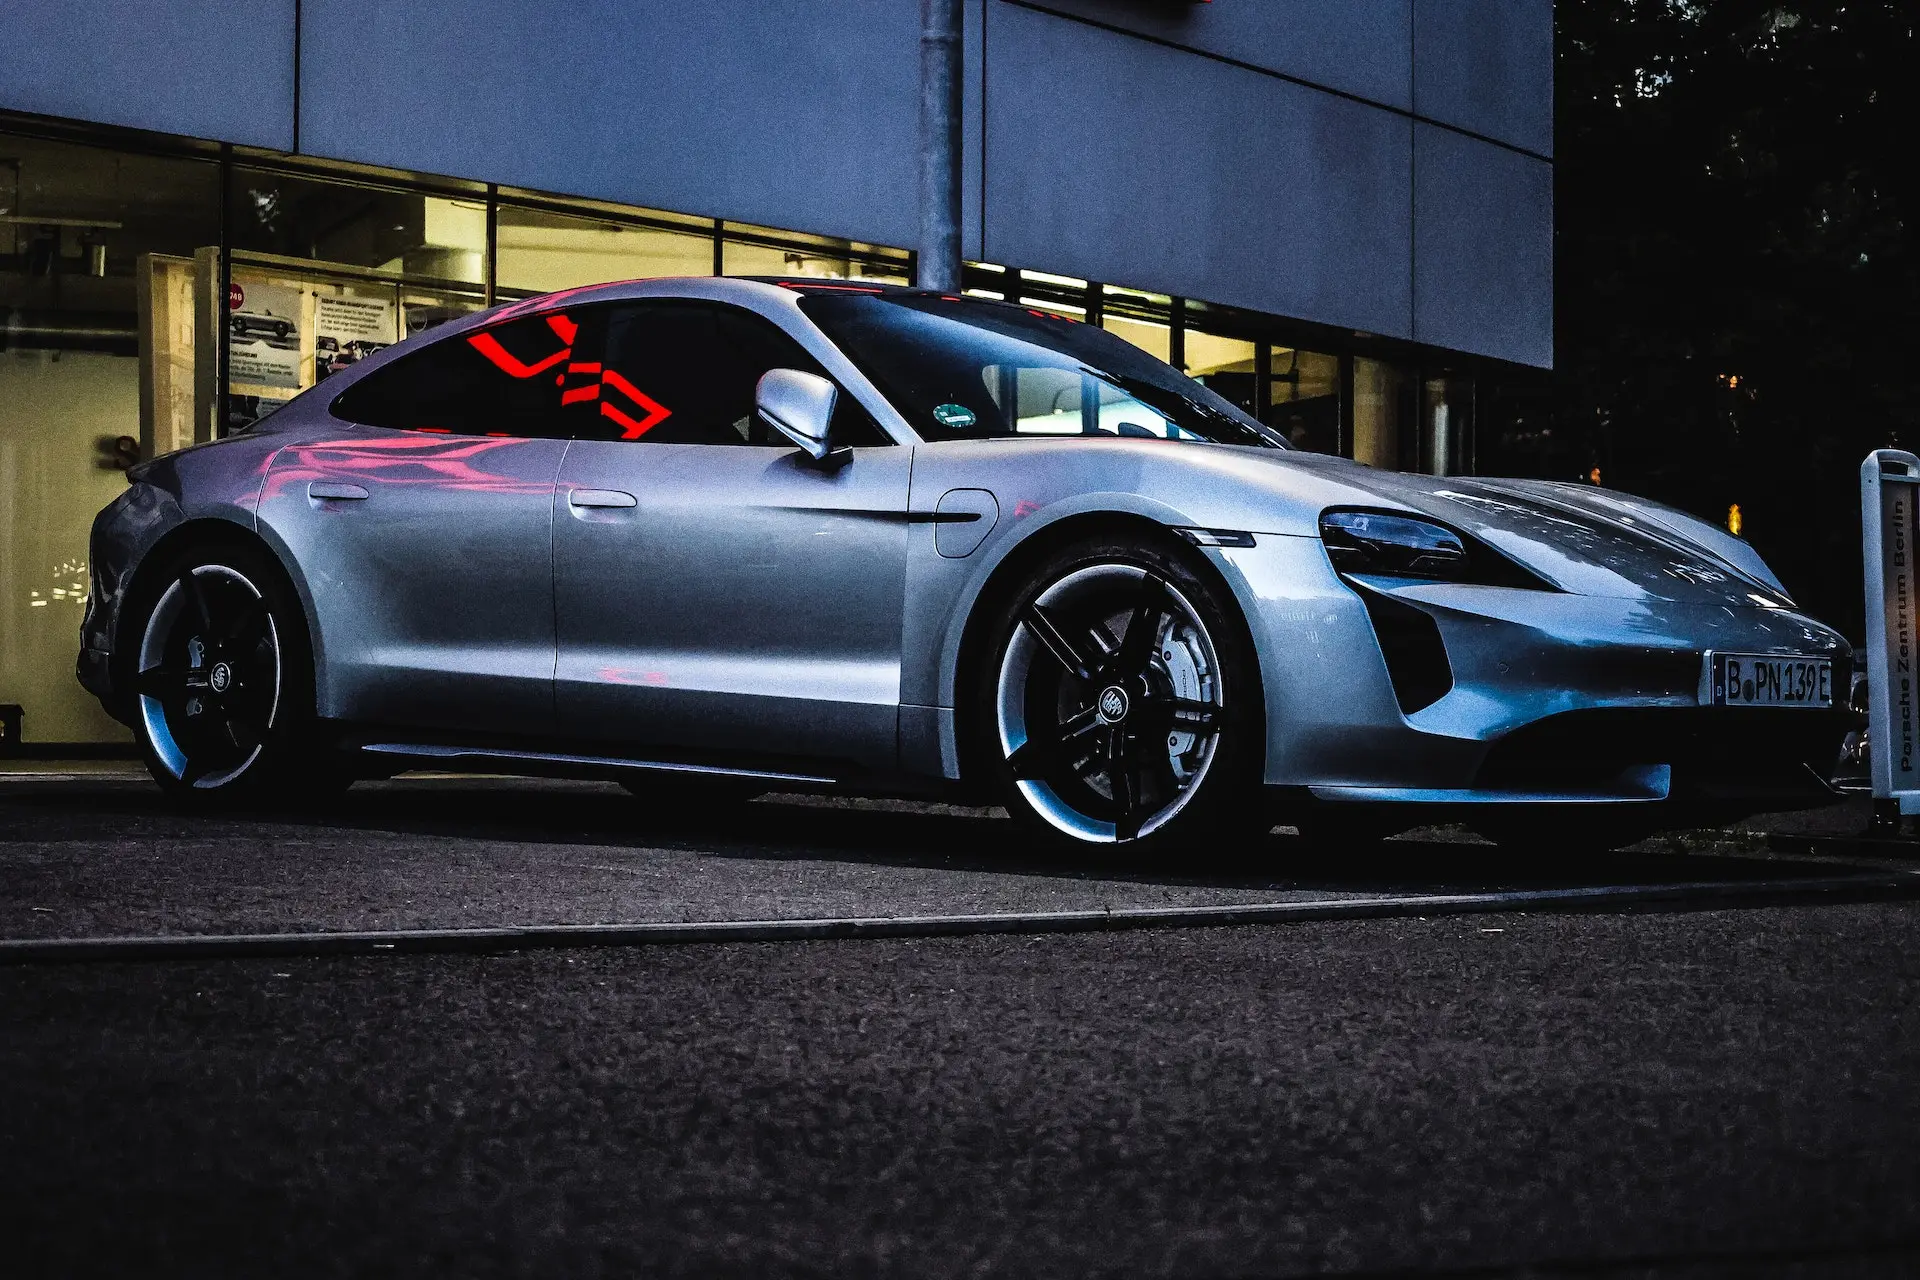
(940, 53)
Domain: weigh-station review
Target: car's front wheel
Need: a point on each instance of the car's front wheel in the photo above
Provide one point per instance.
(1120, 701)
(221, 676)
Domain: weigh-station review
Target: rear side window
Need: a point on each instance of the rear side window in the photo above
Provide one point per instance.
(685, 372)
(507, 379)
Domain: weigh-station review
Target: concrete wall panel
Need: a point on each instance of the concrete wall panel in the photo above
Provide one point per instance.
(1486, 66)
(1107, 157)
(1089, 151)
(1483, 248)
(799, 115)
(208, 70)
(1355, 46)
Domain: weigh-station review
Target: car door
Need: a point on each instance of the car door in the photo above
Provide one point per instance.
(716, 591)
(422, 525)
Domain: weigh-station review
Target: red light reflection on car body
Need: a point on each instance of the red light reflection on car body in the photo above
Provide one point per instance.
(626, 675)
(455, 462)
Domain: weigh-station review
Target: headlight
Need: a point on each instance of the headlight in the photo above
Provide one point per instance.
(1390, 545)
(1397, 546)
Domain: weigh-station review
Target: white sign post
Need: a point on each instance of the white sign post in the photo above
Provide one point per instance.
(1890, 543)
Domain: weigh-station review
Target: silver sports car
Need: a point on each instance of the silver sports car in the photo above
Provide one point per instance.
(701, 535)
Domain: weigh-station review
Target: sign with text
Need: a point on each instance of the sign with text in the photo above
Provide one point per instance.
(1889, 491)
(265, 323)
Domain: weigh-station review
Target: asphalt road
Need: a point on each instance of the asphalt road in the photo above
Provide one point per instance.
(105, 857)
(1706, 1093)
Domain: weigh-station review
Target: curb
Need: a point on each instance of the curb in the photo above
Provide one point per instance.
(1888, 886)
(1880, 848)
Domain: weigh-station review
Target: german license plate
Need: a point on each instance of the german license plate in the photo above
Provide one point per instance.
(1761, 680)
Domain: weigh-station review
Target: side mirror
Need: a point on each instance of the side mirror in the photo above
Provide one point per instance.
(800, 407)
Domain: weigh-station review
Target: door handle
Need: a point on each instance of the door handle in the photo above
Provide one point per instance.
(334, 491)
(601, 498)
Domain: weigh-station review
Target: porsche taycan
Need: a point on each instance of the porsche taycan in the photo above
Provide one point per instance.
(710, 536)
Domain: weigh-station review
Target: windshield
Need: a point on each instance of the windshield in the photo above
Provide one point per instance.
(960, 368)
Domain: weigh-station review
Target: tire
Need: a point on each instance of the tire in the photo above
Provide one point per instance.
(1116, 702)
(222, 677)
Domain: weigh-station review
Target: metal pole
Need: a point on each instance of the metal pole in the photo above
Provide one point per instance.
(940, 106)
(223, 308)
(493, 243)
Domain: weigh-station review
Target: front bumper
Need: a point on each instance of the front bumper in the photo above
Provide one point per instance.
(1541, 696)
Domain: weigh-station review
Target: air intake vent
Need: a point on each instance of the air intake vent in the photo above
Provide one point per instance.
(1416, 658)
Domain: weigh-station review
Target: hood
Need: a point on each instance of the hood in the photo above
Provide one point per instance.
(1584, 540)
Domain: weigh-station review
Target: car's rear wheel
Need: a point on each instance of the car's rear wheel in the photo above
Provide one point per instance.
(1120, 702)
(222, 679)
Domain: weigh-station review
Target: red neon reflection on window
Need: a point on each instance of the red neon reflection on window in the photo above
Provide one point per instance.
(653, 413)
(505, 361)
(632, 428)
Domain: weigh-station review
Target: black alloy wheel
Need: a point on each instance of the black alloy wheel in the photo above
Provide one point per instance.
(1121, 704)
(221, 677)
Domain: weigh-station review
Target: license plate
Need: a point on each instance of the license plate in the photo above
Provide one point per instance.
(1760, 680)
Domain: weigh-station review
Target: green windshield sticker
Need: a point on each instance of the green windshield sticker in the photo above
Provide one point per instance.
(957, 416)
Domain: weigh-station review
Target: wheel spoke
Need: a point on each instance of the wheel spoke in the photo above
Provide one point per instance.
(227, 728)
(249, 625)
(1103, 641)
(1039, 756)
(197, 598)
(245, 711)
(1043, 626)
(1136, 646)
(164, 683)
(245, 728)
(1126, 795)
(1149, 753)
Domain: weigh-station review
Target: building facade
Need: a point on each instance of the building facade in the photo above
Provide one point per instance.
(1337, 213)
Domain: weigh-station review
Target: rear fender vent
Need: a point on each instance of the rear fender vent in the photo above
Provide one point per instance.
(1416, 658)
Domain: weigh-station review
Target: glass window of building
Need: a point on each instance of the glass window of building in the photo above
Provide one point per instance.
(1224, 366)
(400, 233)
(1303, 398)
(325, 272)
(85, 233)
(1446, 425)
(1154, 338)
(987, 280)
(1383, 434)
(541, 251)
(780, 253)
(1140, 318)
